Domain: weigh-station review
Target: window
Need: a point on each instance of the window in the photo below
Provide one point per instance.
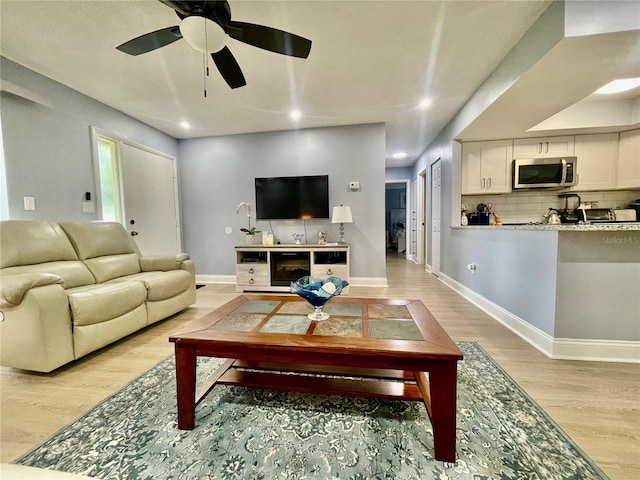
(107, 150)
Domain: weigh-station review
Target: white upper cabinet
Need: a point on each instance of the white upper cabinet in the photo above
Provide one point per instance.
(486, 167)
(597, 161)
(543, 147)
(628, 160)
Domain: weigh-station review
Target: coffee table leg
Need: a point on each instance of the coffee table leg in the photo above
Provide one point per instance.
(443, 382)
(186, 385)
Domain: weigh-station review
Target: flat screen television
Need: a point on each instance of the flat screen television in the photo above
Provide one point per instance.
(286, 198)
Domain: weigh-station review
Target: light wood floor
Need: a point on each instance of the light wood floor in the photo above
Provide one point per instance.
(597, 404)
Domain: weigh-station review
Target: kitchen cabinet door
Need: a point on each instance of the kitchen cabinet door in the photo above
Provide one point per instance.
(496, 162)
(486, 167)
(544, 147)
(471, 168)
(629, 160)
(597, 161)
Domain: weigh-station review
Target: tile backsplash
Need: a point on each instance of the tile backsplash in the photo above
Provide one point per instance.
(529, 206)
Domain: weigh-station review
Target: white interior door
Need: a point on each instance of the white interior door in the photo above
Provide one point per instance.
(435, 216)
(150, 200)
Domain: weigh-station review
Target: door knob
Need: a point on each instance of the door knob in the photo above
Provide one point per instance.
(134, 233)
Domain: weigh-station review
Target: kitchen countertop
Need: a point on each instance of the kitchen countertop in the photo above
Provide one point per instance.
(593, 227)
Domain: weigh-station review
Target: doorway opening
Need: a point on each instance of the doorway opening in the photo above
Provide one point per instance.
(396, 217)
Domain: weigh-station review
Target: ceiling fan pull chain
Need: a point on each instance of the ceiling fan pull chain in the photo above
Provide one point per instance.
(205, 72)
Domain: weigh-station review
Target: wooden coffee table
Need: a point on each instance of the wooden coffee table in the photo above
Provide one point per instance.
(395, 348)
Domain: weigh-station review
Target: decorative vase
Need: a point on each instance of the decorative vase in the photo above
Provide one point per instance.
(297, 237)
(250, 239)
(318, 292)
(464, 220)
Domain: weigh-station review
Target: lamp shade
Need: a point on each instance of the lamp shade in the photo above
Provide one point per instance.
(341, 214)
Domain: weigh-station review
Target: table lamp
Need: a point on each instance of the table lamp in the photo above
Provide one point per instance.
(341, 215)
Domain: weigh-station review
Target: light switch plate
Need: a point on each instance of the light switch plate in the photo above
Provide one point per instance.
(29, 203)
(88, 207)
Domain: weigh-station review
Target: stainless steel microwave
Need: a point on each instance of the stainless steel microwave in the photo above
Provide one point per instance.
(545, 172)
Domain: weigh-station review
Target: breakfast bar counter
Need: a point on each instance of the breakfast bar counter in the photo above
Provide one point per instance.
(567, 227)
(571, 290)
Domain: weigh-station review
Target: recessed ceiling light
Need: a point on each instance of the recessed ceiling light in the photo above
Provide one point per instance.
(424, 103)
(184, 124)
(399, 155)
(619, 85)
(295, 114)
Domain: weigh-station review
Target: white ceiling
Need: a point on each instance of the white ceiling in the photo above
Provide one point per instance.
(371, 61)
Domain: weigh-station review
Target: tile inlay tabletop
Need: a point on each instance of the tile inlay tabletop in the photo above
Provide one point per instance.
(373, 347)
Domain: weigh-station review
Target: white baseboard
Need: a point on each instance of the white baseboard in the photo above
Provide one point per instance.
(596, 350)
(368, 282)
(216, 279)
(557, 348)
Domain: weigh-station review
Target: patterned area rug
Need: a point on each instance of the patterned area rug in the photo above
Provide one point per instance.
(258, 434)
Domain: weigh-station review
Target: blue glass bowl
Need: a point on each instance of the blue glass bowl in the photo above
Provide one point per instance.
(317, 292)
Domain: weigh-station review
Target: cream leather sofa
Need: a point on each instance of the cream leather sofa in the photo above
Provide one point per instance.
(68, 289)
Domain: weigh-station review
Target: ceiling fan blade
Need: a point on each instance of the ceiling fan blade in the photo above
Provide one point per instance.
(269, 38)
(229, 68)
(151, 41)
(181, 8)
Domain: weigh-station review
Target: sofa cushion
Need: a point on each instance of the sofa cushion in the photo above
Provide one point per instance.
(153, 263)
(22, 242)
(113, 266)
(99, 303)
(74, 273)
(161, 285)
(97, 239)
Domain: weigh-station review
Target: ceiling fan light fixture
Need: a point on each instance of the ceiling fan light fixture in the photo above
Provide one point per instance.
(203, 34)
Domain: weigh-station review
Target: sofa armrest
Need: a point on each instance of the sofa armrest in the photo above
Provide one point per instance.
(37, 334)
(154, 263)
(15, 286)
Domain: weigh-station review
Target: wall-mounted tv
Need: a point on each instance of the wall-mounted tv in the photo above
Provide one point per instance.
(286, 198)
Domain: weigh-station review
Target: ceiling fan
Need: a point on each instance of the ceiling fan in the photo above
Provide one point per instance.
(205, 25)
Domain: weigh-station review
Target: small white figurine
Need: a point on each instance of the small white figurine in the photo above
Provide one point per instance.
(322, 238)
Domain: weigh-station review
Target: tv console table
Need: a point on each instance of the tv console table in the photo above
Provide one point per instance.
(272, 268)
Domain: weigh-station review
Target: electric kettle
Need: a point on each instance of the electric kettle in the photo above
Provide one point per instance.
(551, 217)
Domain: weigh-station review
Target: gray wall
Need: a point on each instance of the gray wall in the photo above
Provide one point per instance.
(516, 269)
(217, 173)
(598, 285)
(398, 173)
(47, 149)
